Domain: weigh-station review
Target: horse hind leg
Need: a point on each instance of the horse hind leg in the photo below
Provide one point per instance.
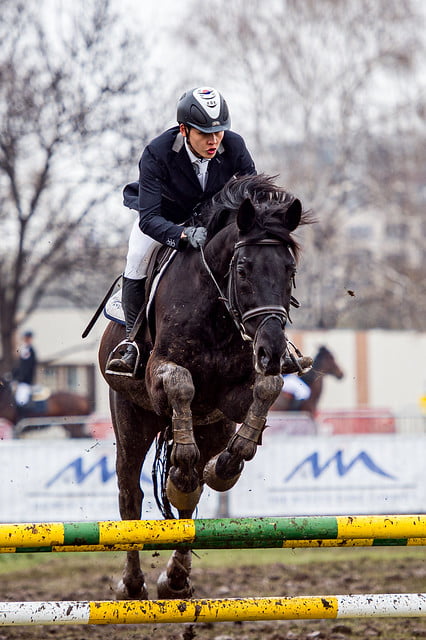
(133, 444)
(174, 581)
(223, 471)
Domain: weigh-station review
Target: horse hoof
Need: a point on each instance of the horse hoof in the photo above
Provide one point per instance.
(179, 499)
(166, 592)
(122, 592)
(216, 482)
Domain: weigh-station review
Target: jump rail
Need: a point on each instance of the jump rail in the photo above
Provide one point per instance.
(252, 543)
(235, 533)
(215, 533)
(206, 610)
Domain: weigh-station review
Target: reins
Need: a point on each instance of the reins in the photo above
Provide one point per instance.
(222, 297)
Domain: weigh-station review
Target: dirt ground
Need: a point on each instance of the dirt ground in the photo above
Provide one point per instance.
(93, 577)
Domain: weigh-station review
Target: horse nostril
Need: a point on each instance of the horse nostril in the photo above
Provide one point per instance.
(262, 358)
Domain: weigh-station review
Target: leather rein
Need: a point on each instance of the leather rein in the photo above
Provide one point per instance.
(231, 300)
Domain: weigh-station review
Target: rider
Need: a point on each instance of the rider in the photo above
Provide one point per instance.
(179, 171)
(296, 387)
(25, 371)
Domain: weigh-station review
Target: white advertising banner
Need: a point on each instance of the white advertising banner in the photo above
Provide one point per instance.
(333, 475)
(75, 480)
(69, 480)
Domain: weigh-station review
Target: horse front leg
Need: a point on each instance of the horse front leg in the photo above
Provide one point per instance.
(175, 386)
(175, 581)
(223, 471)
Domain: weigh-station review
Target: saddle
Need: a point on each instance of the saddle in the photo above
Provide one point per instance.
(37, 403)
(158, 258)
(142, 335)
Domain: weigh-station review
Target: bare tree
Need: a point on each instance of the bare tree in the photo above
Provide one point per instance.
(322, 85)
(70, 134)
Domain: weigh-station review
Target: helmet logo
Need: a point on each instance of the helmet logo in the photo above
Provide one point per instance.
(208, 98)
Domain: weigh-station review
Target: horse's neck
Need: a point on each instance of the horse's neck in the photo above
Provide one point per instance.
(314, 378)
(218, 255)
(310, 377)
(316, 387)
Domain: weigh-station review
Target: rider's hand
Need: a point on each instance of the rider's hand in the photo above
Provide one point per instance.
(196, 236)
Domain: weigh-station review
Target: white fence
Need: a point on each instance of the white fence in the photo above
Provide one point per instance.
(65, 479)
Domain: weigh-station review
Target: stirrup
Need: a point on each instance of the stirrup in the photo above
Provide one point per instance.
(112, 356)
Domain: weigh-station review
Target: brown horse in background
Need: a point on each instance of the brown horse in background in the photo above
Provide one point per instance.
(218, 350)
(57, 404)
(324, 364)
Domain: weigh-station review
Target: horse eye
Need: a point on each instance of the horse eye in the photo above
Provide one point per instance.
(241, 271)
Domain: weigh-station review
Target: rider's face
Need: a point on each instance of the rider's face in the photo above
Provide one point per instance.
(204, 145)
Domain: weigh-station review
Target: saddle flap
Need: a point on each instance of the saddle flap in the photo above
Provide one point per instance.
(158, 258)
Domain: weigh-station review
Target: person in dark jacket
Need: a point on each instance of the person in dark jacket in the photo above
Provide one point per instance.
(179, 171)
(25, 371)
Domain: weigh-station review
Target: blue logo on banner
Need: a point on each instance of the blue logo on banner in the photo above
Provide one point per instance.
(341, 468)
(80, 474)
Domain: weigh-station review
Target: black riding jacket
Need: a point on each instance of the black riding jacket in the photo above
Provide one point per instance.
(26, 367)
(168, 192)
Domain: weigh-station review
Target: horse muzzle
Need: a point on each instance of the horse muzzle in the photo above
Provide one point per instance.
(269, 346)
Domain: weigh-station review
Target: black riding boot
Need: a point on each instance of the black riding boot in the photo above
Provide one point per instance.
(132, 299)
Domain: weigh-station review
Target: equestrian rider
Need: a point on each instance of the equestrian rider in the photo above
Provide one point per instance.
(179, 171)
(25, 371)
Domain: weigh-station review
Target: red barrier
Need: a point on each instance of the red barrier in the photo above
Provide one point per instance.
(356, 421)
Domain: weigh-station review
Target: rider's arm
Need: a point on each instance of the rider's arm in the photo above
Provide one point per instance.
(152, 175)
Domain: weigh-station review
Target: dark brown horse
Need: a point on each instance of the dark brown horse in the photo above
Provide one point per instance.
(216, 360)
(324, 364)
(60, 403)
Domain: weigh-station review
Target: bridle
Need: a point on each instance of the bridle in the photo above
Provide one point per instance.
(231, 301)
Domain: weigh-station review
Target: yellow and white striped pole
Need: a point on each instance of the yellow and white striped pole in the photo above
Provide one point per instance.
(213, 610)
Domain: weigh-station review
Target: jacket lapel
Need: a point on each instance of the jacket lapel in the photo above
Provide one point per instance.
(214, 172)
(182, 163)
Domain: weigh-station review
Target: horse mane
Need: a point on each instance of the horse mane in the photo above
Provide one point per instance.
(270, 200)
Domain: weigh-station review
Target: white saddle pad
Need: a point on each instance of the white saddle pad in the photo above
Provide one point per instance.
(113, 309)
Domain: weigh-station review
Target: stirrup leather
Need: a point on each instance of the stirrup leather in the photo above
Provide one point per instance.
(114, 355)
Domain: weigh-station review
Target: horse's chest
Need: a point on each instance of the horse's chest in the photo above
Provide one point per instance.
(225, 362)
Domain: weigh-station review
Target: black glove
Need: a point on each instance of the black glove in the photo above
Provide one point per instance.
(196, 236)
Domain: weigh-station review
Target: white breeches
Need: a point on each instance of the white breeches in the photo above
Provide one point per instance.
(137, 260)
(296, 386)
(22, 393)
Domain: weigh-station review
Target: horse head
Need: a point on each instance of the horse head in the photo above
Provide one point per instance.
(326, 363)
(263, 263)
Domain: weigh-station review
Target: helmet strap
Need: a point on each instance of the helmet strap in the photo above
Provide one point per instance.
(187, 131)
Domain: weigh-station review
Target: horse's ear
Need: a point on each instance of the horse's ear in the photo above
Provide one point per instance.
(293, 215)
(246, 216)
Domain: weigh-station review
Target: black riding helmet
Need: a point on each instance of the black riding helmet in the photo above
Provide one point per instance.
(205, 109)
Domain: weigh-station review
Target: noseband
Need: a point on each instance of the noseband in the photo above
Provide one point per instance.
(231, 301)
